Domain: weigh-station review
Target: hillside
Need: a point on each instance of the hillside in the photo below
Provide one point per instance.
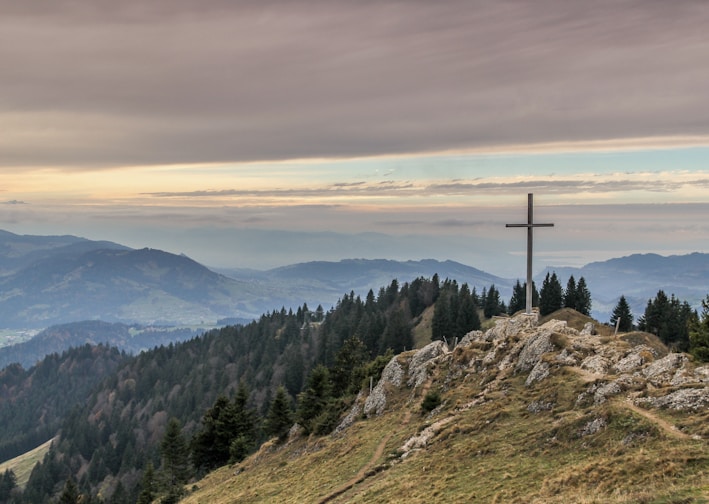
(528, 413)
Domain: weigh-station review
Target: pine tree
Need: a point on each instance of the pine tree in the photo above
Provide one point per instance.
(70, 494)
(175, 455)
(314, 399)
(280, 417)
(351, 356)
(668, 319)
(148, 490)
(699, 334)
(570, 293)
(517, 301)
(550, 297)
(492, 303)
(8, 482)
(622, 312)
(583, 297)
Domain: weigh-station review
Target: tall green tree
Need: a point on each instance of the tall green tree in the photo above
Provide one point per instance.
(668, 319)
(583, 297)
(280, 416)
(8, 482)
(70, 494)
(175, 455)
(351, 357)
(622, 313)
(517, 301)
(148, 486)
(493, 306)
(699, 334)
(314, 400)
(550, 296)
(570, 293)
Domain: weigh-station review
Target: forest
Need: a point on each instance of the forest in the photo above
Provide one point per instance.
(143, 426)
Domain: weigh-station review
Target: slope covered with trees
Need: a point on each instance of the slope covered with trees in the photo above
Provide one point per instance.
(179, 411)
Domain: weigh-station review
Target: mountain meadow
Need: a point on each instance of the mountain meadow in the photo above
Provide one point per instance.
(424, 391)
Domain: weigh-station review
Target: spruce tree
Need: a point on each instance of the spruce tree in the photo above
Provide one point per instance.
(175, 455)
(70, 494)
(699, 334)
(314, 399)
(550, 296)
(517, 301)
(583, 297)
(570, 293)
(280, 417)
(622, 312)
(148, 490)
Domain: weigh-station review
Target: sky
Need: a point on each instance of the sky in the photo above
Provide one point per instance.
(257, 134)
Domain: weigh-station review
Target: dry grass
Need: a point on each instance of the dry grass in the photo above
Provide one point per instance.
(494, 450)
(22, 466)
(422, 331)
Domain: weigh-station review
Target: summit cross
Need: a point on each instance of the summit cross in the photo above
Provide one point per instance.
(530, 225)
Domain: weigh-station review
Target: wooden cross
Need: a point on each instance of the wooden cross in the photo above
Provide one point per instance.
(530, 225)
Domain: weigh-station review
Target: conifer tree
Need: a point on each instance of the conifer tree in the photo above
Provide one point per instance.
(8, 482)
(517, 301)
(583, 297)
(550, 296)
(570, 293)
(699, 334)
(175, 455)
(70, 494)
(351, 356)
(314, 399)
(622, 312)
(493, 306)
(148, 490)
(280, 417)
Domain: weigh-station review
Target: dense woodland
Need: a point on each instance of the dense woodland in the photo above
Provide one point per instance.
(166, 416)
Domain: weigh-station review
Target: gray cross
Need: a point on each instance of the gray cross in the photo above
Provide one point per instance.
(530, 225)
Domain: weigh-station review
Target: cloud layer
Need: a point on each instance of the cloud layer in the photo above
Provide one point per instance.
(103, 84)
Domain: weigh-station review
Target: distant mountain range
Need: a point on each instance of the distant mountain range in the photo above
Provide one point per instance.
(638, 277)
(49, 280)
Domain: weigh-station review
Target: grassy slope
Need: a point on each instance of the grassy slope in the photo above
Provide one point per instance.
(494, 451)
(22, 466)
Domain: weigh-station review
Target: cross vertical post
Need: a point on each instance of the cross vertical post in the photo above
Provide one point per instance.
(530, 225)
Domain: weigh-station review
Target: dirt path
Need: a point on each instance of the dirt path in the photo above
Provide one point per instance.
(366, 470)
(666, 426)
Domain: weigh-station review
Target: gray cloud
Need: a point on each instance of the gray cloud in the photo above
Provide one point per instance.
(550, 186)
(88, 84)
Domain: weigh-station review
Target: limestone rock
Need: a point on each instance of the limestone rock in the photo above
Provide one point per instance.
(534, 347)
(538, 373)
(418, 366)
(588, 329)
(596, 364)
(594, 426)
(692, 399)
(663, 370)
(392, 375)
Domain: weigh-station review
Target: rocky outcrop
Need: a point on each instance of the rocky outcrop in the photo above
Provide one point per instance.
(611, 366)
(422, 359)
(392, 376)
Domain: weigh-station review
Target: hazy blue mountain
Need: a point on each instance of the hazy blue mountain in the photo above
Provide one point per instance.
(56, 339)
(325, 282)
(638, 277)
(67, 279)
